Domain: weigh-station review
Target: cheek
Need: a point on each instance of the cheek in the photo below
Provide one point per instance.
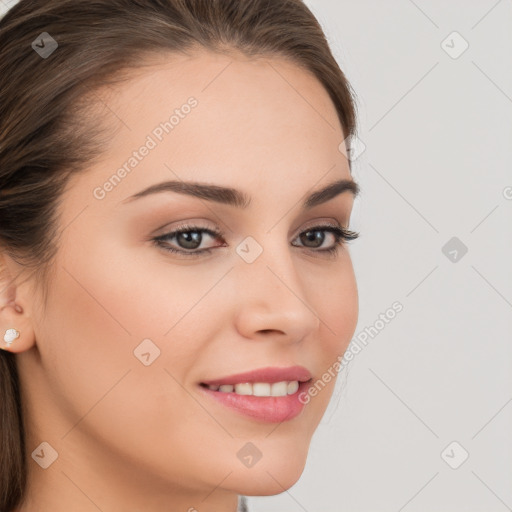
(101, 308)
(336, 300)
(131, 293)
(334, 297)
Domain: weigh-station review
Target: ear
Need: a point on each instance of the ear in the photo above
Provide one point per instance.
(13, 306)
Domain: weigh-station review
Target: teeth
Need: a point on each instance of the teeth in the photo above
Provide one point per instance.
(243, 389)
(259, 388)
(292, 387)
(279, 389)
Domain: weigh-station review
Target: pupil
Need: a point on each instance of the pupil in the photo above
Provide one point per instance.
(311, 236)
(191, 239)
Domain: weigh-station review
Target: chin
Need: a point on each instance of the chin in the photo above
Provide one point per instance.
(273, 476)
(268, 484)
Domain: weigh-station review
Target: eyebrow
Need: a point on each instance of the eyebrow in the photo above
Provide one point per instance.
(238, 199)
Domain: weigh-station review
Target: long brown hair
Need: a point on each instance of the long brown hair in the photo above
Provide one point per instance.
(47, 131)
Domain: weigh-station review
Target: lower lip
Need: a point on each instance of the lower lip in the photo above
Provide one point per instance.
(270, 409)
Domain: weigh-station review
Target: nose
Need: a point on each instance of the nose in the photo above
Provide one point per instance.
(272, 300)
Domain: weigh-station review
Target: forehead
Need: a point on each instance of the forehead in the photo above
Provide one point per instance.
(256, 123)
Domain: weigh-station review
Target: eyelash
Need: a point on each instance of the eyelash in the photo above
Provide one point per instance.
(342, 235)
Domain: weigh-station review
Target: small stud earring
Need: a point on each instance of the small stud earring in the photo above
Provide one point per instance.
(10, 335)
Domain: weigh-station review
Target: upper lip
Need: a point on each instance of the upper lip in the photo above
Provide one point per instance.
(269, 374)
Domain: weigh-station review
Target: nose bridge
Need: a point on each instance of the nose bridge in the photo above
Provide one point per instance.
(271, 290)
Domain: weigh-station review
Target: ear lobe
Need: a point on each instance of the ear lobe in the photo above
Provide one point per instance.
(16, 332)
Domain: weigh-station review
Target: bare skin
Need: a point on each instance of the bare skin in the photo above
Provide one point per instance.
(132, 437)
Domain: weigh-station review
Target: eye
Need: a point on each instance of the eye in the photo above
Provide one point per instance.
(314, 237)
(189, 238)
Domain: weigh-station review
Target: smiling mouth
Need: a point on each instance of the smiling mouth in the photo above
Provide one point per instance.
(261, 389)
(266, 402)
(270, 394)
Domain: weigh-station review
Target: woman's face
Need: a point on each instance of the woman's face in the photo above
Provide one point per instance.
(132, 331)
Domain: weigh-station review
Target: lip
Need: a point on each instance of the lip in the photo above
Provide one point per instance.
(267, 409)
(269, 374)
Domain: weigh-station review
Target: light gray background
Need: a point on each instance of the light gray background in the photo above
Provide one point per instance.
(437, 164)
